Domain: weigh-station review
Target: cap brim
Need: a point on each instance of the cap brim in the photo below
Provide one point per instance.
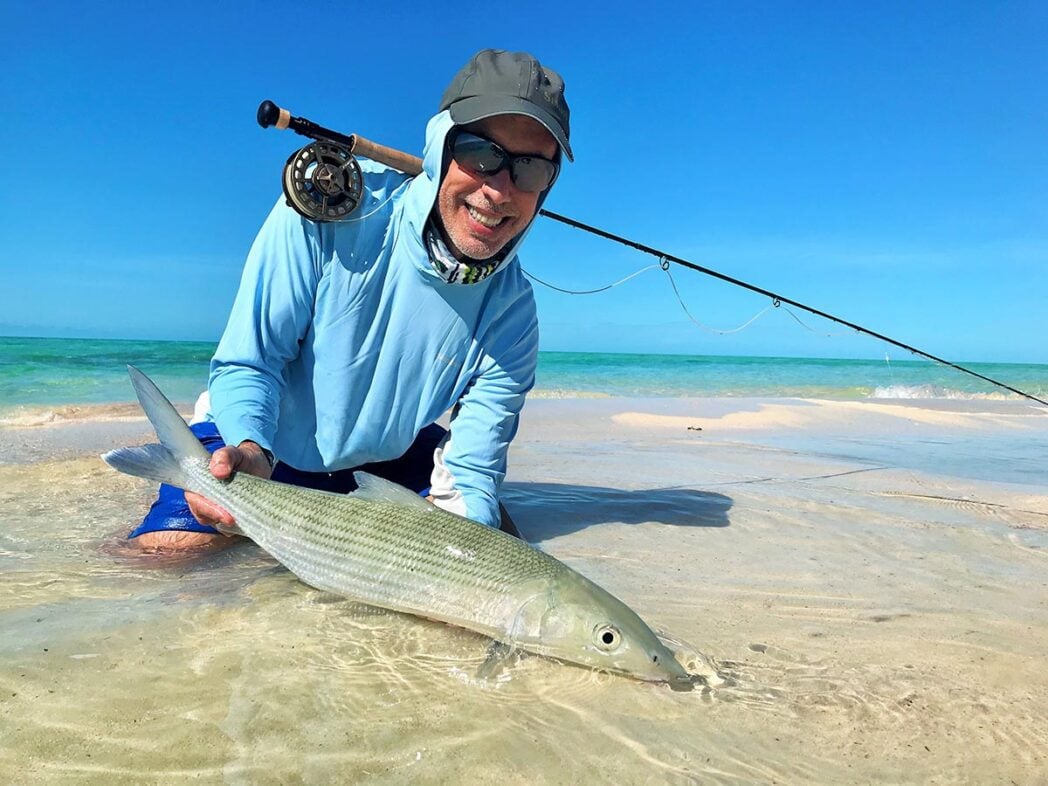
(470, 110)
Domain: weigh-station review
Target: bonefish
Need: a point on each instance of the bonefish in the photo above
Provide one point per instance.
(385, 546)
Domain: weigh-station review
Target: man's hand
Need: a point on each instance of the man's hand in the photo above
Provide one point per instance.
(247, 457)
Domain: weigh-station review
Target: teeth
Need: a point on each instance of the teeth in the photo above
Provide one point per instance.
(490, 223)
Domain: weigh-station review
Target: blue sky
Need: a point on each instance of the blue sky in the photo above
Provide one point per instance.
(883, 162)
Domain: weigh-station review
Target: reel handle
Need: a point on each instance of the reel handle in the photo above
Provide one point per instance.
(269, 115)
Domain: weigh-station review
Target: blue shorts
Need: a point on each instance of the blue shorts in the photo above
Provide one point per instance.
(412, 470)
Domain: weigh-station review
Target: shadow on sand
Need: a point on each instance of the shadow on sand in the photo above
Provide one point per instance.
(546, 510)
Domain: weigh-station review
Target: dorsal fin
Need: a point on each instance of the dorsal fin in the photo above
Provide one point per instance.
(376, 489)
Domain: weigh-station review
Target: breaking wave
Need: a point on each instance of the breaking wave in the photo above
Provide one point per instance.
(934, 391)
(36, 416)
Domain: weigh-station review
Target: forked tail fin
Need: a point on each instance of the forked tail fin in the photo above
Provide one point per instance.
(161, 462)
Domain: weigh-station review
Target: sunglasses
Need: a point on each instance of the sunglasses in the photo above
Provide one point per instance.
(484, 157)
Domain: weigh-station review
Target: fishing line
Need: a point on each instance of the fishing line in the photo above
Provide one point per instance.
(377, 208)
(664, 264)
(810, 329)
(587, 291)
(665, 268)
(743, 326)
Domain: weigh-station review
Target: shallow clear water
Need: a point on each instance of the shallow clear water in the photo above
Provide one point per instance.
(873, 620)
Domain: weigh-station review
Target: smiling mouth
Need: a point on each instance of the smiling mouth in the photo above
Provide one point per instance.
(491, 222)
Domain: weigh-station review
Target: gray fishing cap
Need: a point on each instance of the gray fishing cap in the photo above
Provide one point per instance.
(495, 82)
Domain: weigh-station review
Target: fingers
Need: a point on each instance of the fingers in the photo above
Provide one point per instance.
(248, 457)
(224, 461)
(253, 460)
(207, 512)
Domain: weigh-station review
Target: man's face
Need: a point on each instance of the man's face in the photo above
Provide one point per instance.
(482, 213)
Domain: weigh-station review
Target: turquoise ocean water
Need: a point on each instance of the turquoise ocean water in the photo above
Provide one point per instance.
(53, 372)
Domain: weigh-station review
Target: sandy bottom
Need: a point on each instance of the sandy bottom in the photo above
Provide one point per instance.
(870, 580)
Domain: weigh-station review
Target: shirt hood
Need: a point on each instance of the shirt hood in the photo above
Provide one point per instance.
(422, 192)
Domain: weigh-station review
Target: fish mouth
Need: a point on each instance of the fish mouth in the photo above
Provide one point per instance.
(679, 681)
(683, 684)
(663, 668)
(699, 668)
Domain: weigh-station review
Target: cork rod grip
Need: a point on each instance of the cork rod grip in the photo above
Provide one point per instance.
(405, 162)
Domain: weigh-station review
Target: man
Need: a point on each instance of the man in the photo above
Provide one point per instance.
(348, 340)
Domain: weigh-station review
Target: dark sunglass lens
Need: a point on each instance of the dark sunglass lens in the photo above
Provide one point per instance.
(486, 158)
(477, 154)
(533, 174)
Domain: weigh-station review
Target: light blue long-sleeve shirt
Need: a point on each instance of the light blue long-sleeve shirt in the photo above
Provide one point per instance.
(343, 342)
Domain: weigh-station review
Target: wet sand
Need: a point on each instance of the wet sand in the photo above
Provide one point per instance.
(869, 578)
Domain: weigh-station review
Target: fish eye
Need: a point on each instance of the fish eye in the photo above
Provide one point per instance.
(607, 637)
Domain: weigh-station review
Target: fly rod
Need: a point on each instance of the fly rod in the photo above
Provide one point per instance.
(323, 182)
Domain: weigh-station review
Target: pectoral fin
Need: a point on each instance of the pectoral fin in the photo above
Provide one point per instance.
(500, 658)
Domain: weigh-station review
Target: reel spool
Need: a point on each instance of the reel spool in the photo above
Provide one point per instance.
(323, 181)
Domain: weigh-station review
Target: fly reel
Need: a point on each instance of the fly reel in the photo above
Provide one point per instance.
(323, 181)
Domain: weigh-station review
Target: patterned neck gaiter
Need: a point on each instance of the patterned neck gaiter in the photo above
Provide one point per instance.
(452, 270)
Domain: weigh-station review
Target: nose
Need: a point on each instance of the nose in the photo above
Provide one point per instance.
(499, 187)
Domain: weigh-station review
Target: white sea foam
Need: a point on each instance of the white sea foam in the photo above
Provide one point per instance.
(30, 416)
(563, 393)
(934, 391)
(34, 418)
